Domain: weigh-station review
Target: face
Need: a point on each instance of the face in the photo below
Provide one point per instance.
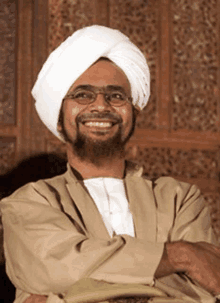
(99, 121)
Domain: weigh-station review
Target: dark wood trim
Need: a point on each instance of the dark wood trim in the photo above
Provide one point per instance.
(164, 67)
(39, 53)
(218, 73)
(102, 12)
(24, 76)
(181, 139)
(9, 130)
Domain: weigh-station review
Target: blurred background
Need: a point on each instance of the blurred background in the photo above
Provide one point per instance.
(178, 134)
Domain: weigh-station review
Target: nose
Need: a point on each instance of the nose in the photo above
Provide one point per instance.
(100, 104)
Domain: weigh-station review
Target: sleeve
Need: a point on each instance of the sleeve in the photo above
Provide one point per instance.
(182, 212)
(192, 217)
(190, 221)
(45, 252)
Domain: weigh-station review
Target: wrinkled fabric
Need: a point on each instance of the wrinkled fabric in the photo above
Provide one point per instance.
(74, 56)
(54, 236)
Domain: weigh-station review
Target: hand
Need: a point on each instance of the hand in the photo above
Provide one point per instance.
(36, 299)
(200, 261)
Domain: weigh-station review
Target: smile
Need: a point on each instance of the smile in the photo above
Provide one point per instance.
(98, 124)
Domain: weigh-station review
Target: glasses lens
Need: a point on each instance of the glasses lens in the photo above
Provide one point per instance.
(82, 96)
(116, 98)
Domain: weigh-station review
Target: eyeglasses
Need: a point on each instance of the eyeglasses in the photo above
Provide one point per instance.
(87, 94)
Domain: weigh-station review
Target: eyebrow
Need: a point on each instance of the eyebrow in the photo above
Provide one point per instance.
(115, 87)
(108, 87)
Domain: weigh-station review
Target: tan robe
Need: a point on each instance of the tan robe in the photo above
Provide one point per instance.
(55, 240)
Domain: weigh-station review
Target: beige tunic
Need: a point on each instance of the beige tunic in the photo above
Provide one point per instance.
(55, 237)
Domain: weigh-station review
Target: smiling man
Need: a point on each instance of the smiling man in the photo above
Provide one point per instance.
(97, 118)
(102, 230)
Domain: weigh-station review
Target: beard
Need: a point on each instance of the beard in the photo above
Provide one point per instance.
(98, 151)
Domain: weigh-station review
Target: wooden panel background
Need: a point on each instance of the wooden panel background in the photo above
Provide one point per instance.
(178, 134)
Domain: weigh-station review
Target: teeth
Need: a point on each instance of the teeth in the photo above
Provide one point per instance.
(98, 124)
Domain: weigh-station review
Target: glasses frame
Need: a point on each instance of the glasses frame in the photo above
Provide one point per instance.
(97, 90)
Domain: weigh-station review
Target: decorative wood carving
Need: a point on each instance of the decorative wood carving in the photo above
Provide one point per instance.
(66, 16)
(7, 61)
(212, 199)
(164, 161)
(7, 154)
(139, 20)
(195, 65)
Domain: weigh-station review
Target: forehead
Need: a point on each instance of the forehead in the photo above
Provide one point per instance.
(103, 73)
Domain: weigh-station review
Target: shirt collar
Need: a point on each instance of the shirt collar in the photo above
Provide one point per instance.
(131, 169)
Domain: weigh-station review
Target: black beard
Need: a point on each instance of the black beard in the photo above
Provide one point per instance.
(98, 151)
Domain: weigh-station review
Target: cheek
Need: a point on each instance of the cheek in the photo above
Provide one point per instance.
(75, 110)
(123, 111)
(71, 112)
(127, 116)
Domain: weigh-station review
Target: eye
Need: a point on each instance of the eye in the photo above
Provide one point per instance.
(117, 96)
(83, 95)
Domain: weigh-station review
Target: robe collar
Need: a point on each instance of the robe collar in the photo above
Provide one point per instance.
(140, 197)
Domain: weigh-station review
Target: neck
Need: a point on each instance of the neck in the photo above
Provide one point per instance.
(111, 167)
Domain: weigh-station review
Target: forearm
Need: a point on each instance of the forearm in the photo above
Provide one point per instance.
(175, 259)
(135, 262)
(200, 261)
(122, 259)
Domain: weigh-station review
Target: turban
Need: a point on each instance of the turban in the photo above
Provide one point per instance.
(74, 56)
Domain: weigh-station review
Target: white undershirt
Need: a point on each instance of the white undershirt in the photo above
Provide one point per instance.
(110, 198)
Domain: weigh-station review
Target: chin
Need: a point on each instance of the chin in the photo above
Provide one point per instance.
(99, 147)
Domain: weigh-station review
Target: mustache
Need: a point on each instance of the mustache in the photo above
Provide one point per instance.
(115, 118)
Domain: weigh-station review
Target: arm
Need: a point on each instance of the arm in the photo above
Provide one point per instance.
(48, 245)
(200, 261)
(46, 253)
(190, 249)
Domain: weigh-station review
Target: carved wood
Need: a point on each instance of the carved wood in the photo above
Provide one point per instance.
(179, 131)
(7, 61)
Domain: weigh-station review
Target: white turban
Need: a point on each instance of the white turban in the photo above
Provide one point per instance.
(74, 56)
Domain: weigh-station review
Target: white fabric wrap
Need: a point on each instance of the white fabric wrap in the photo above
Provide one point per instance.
(74, 56)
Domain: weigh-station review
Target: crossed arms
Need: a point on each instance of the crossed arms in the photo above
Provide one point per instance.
(52, 253)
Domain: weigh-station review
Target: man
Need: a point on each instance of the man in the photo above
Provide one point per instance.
(101, 230)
